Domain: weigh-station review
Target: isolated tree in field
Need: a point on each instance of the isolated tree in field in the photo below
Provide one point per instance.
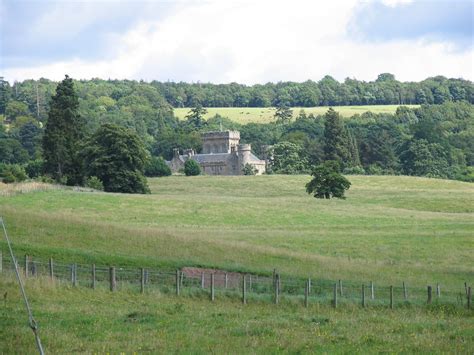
(191, 168)
(62, 136)
(117, 157)
(283, 114)
(327, 181)
(336, 140)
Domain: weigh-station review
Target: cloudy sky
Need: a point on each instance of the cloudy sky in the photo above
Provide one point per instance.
(236, 40)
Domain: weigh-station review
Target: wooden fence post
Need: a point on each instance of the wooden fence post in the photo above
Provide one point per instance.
(51, 268)
(226, 280)
(469, 297)
(33, 268)
(73, 282)
(277, 291)
(363, 295)
(438, 291)
(405, 293)
(147, 277)
(1, 261)
(429, 295)
(93, 277)
(340, 288)
(465, 287)
(250, 283)
(306, 293)
(202, 280)
(372, 293)
(113, 281)
(213, 296)
(309, 286)
(177, 282)
(244, 290)
(334, 301)
(26, 267)
(142, 280)
(391, 297)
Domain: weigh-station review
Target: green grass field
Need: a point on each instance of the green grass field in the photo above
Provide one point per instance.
(245, 115)
(390, 229)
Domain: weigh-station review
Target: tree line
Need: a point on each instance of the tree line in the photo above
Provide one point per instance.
(432, 140)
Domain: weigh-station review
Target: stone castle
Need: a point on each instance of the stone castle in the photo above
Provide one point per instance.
(222, 154)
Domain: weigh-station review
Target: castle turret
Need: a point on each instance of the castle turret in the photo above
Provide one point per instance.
(244, 154)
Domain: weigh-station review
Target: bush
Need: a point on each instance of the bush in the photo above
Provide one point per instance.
(95, 183)
(34, 168)
(10, 173)
(157, 166)
(249, 170)
(374, 169)
(191, 168)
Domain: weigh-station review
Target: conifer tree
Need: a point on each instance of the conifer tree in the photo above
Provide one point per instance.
(62, 136)
(336, 140)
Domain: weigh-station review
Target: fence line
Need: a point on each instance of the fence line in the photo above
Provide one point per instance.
(246, 286)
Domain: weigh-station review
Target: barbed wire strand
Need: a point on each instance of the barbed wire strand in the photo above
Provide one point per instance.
(31, 320)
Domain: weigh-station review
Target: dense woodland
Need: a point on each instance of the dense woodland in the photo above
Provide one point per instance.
(434, 140)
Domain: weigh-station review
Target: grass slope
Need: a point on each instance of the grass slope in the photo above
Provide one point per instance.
(390, 229)
(245, 115)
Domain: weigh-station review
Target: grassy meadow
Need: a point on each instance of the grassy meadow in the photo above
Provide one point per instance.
(389, 229)
(245, 115)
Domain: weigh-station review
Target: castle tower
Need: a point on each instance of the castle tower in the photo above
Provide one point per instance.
(244, 155)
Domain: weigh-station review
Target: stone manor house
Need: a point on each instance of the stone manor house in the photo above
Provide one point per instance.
(222, 154)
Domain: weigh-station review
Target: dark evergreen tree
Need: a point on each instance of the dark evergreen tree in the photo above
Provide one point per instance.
(191, 168)
(62, 136)
(336, 140)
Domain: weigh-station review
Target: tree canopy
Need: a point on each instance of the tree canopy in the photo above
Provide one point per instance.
(327, 181)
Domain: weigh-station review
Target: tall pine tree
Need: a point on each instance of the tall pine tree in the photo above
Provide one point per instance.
(62, 136)
(336, 139)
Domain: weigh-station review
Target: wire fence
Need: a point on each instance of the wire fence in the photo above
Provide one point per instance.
(248, 287)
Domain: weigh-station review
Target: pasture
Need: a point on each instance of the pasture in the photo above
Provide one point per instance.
(390, 229)
(244, 115)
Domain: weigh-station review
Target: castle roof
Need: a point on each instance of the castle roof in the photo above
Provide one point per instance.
(216, 158)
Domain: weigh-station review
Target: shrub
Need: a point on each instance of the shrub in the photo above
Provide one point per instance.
(355, 170)
(191, 168)
(249, 170)
(95, 183)
(10, 173)
(157, 166)
(34, 168)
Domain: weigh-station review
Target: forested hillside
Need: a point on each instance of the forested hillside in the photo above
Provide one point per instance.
(436, 139)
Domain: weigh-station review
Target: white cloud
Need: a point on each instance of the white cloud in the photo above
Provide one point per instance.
(255, 42)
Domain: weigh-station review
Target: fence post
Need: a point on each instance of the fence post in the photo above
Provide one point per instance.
(181, 280)
(51, 268)
(226, 280)
(469, 297)
(72, 275)
(372, 294)
(177, 282)
(306, 293)
(405, 293)
(309, 286)
(213, 296)
(391, 297)
(112, 278)
(26, 267)
(1, 261)
(202, 280)
(340, 288)
(244, 290)
(438, 291)
(142, 280)
(429, 295)
(465, 287)
(334, 301)
(250, 283)
(93, 277)
(363, 295)
(33, 268)
(277, 291)
(147, 277)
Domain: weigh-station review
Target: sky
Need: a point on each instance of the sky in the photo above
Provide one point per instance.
(240, 41)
